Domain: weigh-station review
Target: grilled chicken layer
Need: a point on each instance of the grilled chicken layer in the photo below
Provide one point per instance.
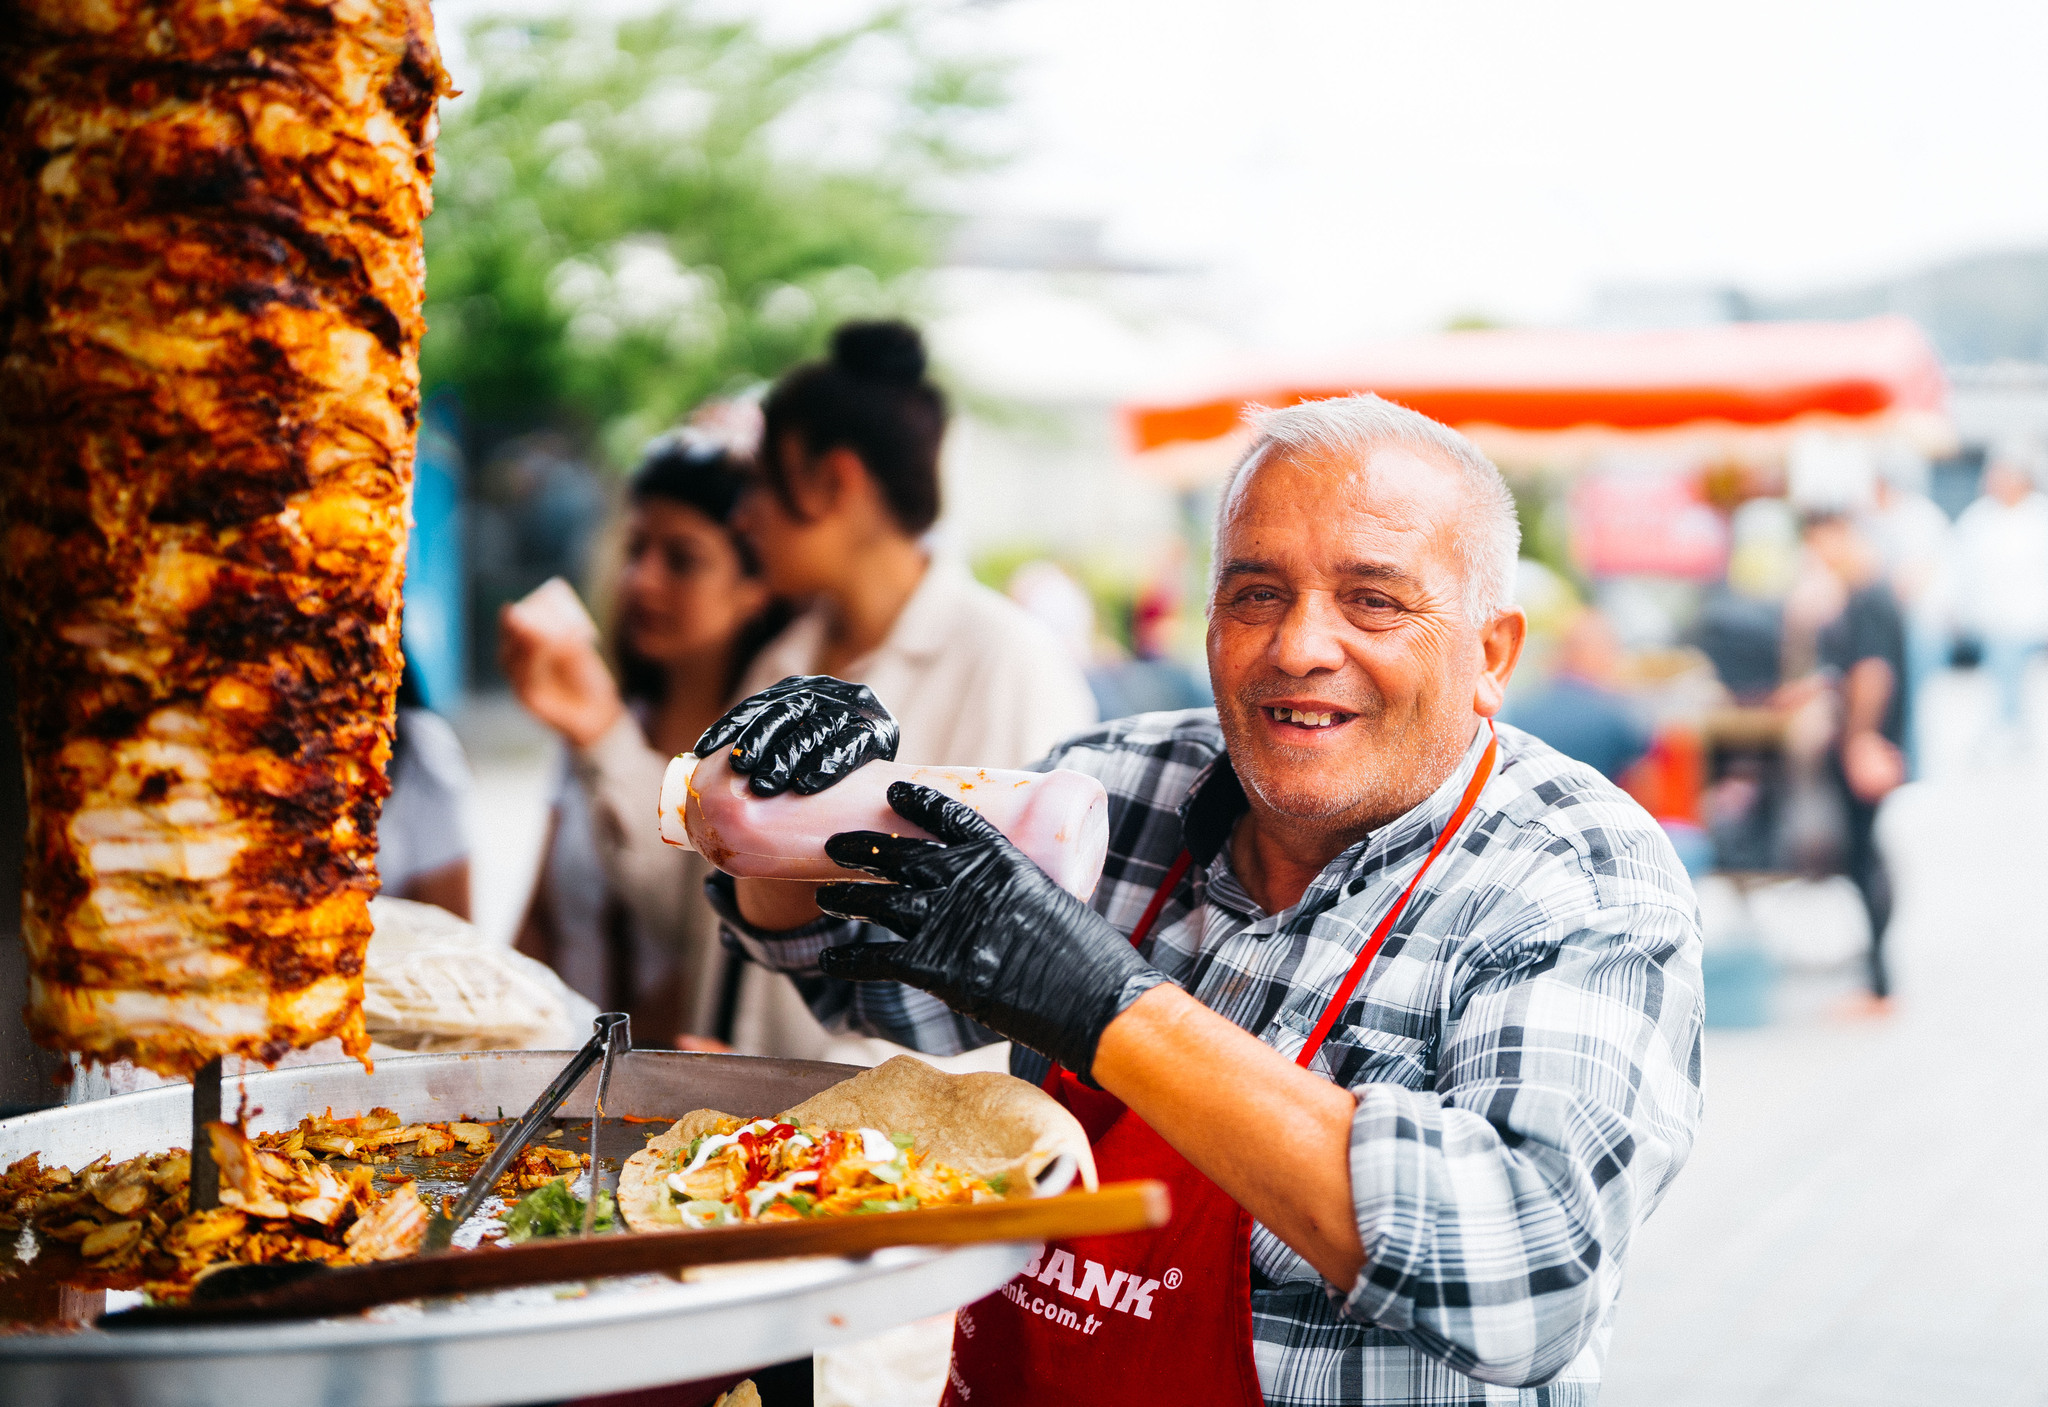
(211, 272)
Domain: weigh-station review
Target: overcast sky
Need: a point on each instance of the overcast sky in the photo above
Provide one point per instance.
(1357, 167)
(1371, 166)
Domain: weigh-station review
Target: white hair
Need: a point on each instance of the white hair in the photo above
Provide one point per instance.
(1488, 534)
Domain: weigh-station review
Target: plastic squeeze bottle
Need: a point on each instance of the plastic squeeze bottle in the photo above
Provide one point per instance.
(1060, 819)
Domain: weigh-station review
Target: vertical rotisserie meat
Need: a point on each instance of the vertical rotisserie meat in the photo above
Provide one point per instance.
(210, 287)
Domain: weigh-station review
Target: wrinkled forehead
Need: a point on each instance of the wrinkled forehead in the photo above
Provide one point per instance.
(1313, 506)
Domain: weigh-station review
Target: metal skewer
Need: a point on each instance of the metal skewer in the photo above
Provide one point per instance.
(204, 1193)
(617, 1029)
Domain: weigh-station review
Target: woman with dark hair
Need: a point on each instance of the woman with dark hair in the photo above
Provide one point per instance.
(848, 487)
(620, 916)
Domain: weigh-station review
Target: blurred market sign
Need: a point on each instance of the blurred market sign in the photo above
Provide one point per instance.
(1629, 524)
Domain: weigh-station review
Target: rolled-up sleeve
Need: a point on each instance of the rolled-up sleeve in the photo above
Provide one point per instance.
(794, 950)
(1495, 1208)
(890, 1010)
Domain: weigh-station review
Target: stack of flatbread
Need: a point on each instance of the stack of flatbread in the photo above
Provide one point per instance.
(434, 983)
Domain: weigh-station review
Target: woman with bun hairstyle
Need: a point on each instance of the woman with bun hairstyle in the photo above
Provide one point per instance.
(848, 486)
(619, 915)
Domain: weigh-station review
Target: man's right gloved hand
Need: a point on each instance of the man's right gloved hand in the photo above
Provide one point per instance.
(804, 733)
(990, 934)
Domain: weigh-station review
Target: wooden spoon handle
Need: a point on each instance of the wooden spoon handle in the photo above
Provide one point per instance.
(1120, 1207)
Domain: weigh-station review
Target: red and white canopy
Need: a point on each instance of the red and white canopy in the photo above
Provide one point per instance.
(1566, 398)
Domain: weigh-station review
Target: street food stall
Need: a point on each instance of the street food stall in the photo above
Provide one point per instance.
(213, 282)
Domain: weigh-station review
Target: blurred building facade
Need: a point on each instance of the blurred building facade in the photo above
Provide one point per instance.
(1045, 331)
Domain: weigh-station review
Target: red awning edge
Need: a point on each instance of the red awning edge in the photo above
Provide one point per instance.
(1736, 383)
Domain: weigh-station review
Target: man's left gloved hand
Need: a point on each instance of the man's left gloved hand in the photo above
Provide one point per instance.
(989, 932)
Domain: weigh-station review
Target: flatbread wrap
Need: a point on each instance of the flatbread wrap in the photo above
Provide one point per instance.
(903, 1134)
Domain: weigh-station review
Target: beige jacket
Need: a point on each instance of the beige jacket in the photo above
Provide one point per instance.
(970, 677)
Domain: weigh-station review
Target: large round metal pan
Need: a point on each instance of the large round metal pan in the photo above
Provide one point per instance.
(515, 1346)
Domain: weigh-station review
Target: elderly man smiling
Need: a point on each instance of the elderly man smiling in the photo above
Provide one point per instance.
(1404, 1006)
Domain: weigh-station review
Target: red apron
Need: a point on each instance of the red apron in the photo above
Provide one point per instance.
(1164, 1317)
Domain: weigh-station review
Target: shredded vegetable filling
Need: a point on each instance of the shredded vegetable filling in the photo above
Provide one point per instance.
(769, 1171)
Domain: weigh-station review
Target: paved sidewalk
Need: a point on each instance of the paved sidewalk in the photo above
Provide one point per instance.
(1865, 1220)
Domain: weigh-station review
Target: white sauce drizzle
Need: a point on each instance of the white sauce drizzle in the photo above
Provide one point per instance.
(768, 1191)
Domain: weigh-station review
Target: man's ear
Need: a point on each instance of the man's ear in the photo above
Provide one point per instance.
(1500, 646)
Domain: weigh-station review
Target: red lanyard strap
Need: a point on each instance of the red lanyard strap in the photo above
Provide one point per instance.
(1160, 896)
(1342, 996)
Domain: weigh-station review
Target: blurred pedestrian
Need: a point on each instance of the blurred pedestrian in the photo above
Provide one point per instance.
(1862, 655)
(1154, 679)
(2002, 568)
(1578, 710)
(1911, 536)
(1740, 626)
(422, 838)
(619, 915)
(848, 487)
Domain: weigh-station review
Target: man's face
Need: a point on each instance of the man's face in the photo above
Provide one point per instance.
(1339, 597)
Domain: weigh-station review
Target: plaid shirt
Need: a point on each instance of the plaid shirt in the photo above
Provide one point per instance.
(1525, 1051)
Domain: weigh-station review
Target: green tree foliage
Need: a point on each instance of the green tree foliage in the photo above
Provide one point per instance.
(630, 217)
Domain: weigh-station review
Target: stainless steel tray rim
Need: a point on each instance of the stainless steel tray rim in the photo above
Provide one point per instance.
(506, 1346)
(483, 1317)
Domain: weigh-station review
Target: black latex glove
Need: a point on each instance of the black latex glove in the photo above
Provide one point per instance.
(805, 733)
(989, 932)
